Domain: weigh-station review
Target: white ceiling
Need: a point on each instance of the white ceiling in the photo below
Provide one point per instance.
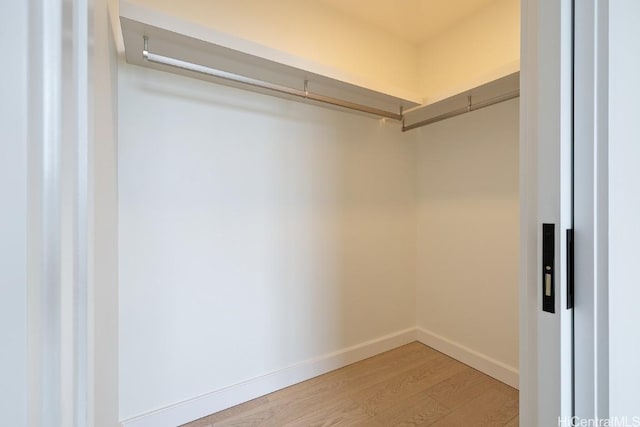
(414, 21)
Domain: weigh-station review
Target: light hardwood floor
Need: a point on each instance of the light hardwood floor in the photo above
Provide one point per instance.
(412, 385)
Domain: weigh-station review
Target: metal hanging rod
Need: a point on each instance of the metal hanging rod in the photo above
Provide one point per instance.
(463, 110)
(305, 94)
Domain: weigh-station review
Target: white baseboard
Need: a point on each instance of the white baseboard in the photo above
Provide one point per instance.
(201, 406)
(494, 368)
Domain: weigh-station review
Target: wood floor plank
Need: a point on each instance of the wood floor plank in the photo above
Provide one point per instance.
(383, 395)
(417, 410)
(515, 422)
(228, 413)
(341, 413)
(283, 408)
(460, 388)
(412, 385)
(377, 366)
(494, 407)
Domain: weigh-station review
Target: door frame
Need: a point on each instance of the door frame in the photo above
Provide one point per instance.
(591, 79)
(58, 223)
(543, 76)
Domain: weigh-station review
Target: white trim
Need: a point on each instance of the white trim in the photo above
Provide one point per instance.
(492, 367)
(227, 397)
(528, 166)
(82, 232)
(218, 400)
(592, 103)
(56, 247)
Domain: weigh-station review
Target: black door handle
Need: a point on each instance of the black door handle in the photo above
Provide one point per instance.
(548, 270)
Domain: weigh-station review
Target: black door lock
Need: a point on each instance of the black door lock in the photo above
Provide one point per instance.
(548, 270)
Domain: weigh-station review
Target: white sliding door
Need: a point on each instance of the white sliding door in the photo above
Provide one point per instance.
(546, 198)
(596, 381)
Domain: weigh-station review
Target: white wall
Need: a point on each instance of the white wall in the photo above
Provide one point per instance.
(255, 233)
(624, 209)
(468, 219)
(480, 48)
(13, 215)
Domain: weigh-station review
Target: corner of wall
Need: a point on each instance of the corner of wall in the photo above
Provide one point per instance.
(468, 196)
(483, 363)
(480, 48)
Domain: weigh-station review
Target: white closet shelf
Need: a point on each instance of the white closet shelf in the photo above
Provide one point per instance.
(493, 92)
(164, 42)
(188, 49)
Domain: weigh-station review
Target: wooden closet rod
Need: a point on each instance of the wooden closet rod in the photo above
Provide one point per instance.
(305, 94)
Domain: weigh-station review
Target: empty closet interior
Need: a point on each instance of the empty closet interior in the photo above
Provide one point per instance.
(357, 191)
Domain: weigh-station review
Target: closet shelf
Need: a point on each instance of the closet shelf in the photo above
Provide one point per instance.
(160, 41)
(155, 40)
(491, 93)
